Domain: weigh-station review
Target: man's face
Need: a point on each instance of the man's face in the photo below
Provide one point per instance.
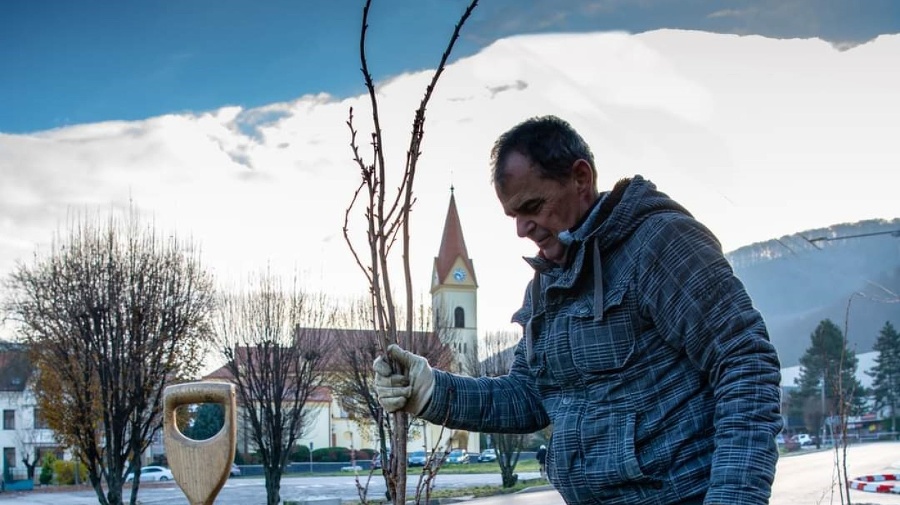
(543, 207)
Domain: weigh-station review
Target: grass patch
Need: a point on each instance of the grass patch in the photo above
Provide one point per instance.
(474, 491)
(524, 466)
(483, 491)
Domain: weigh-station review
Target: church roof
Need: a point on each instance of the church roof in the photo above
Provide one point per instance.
(453, 245)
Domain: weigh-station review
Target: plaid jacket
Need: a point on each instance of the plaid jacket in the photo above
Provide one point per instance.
(646, 355)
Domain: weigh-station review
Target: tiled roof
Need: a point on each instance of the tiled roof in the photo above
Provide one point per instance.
(453, 245)
(15, 367)
(336, 339)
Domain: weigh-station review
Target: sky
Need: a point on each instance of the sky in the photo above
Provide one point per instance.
(65, 63)
(226, 121)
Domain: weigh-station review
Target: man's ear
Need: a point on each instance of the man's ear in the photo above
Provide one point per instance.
(583, 177)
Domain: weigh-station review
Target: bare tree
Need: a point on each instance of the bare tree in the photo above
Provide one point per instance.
(847, 391)
(358, 348)
(352, 373)
(113, 313)
(500, 353)
(387, 217)
(274, 341)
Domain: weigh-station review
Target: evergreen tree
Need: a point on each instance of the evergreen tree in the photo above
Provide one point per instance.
(886, 372)
(828, 357)
(208, 420)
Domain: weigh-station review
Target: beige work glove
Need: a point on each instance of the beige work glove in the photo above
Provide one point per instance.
(410, 389)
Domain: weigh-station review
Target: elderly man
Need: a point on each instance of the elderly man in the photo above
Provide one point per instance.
(640, 346)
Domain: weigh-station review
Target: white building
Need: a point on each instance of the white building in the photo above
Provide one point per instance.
(24, 434)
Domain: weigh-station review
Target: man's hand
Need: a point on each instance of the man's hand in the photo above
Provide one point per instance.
(409, 389)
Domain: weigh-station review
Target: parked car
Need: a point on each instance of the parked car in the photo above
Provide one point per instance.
(416, 458)
(152, 473)
(235, 471)
(779, 439)
(803, 439)
(376, 460)
(487, 456)
(458, 456)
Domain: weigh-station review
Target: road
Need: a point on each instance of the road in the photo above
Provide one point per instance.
(806, 478)
(251, 491)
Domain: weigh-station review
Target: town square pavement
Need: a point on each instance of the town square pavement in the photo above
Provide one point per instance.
(804, 478)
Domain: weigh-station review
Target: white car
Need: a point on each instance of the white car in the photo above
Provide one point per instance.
(458, 456)
(152, 473)
(803, 439)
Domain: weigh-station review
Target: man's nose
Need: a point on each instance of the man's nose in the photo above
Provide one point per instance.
(523, 226)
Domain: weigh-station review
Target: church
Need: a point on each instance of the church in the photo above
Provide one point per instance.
(454, 310)
(454, 294)
(454, 290)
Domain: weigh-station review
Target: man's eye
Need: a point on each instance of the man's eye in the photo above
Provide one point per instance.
(532, 207)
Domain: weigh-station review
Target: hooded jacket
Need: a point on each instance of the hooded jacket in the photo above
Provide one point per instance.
(646, 355)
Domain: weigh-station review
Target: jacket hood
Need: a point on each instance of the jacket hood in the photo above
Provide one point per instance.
(619, 212)
(614, 218)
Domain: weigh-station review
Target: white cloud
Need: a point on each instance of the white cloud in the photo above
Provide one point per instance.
(757, 137)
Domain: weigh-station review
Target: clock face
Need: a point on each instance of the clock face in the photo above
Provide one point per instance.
(459, 274)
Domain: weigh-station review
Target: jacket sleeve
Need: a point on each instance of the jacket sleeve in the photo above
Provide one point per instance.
(507, 404)
(690, 292)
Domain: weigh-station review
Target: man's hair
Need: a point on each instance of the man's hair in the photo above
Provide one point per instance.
(551, 144)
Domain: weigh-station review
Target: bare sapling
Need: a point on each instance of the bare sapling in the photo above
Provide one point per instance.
(387, 220)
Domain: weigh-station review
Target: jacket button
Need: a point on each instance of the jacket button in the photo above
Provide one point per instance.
(657, 484)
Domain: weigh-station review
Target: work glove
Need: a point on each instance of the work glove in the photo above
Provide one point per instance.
(410, 388)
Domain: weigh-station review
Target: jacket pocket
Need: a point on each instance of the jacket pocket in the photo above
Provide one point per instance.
(601, 345)
(610, 458)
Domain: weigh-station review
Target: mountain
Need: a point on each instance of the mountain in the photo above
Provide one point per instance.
(798, 280)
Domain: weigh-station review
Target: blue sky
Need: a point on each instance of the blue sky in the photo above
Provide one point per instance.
(68, 62)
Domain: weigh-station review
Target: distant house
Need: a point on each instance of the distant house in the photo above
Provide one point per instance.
(329, 424)
(24, 433)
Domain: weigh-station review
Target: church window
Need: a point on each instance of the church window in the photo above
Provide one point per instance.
(459, 318)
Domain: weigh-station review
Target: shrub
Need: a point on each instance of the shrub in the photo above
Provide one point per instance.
(65, 472)
(300, 453)
(46, 476)
(331, 455)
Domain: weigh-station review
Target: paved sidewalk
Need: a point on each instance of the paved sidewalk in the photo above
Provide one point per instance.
(805, 478)
(810, 477)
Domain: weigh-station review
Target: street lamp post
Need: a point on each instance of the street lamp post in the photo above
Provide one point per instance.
(824, 416)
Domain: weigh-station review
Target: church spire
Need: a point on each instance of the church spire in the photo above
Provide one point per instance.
(453, 245)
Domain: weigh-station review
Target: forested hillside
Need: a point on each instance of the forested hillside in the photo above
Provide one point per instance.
(800, 279)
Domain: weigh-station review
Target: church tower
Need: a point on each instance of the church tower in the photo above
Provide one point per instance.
(453, 294)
